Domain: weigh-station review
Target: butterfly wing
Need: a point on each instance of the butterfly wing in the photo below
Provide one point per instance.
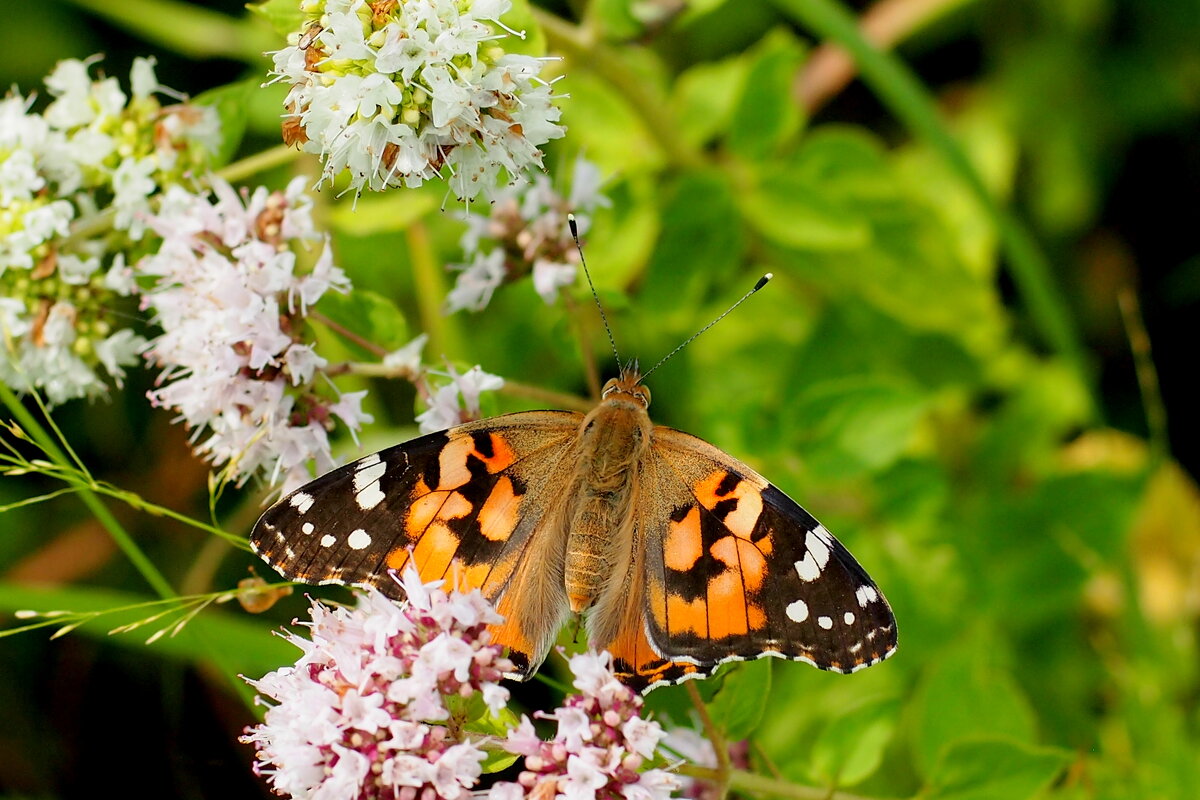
(735, 569)
(464, 505)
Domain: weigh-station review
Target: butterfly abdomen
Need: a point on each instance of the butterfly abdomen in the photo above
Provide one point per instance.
(613, 440)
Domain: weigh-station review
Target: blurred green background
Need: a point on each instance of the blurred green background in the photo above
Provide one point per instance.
(960, 388)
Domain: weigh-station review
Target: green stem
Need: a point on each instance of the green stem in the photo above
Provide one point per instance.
(1147, 376)
(753, 783)
(187, 28)
(586, 52)
(429, 277)
(259, 162)
(723, 773)
(900, 90)
(124, 541)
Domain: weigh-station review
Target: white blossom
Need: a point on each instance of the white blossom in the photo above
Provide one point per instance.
(235, 361)
(459, 400)
(93, 150)
(400, 94)
(525, 232)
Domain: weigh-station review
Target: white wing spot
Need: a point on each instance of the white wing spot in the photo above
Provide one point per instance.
(327, 540)
(807, 568)
(854, 648)
(849, 617)
(307, 528)
(359, 539)
(301, 502)
(367, 461)
(866, 594)
(817, 543)
(797, 611)
(370, 497)
(369, 474)
(825, 622)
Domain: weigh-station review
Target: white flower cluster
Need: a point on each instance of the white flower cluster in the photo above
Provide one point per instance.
(457, 401)
(236, 353)
(526, 232)
(353, 717)
(75, 181)
(400, 92)
(599, 750)
(451, 403)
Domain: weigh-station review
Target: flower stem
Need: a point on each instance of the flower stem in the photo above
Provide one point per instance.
(105, 517)
(753, 783)
(259, 162)
(444, 338)
(552, 398)
(717, 737)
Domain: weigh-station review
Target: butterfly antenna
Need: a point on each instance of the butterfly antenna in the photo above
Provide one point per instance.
(575, 235)
(761, 283)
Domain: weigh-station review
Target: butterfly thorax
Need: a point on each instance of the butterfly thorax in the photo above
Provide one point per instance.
(613, 439)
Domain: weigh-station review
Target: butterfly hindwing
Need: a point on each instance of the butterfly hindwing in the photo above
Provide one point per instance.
(466, 505)
(735, 569)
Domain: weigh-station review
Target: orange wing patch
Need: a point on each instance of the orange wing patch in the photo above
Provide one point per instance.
(501, 511)
(433, 544)
(736, 501)
(638, 665)
(684, 544)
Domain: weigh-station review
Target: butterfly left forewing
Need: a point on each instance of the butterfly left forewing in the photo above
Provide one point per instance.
(734, 569)
(473, 505)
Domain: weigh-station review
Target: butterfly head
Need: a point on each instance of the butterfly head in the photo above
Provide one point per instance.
(627, 386)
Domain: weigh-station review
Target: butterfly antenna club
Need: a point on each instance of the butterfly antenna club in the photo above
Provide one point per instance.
(761, 283)
(604, 318)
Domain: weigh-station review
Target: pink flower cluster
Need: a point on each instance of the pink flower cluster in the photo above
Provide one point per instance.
(236, 275)
(599, 750)
(366, 712)
(356, 716)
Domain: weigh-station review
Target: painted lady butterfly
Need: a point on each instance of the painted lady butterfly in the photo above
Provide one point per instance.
(681, 556)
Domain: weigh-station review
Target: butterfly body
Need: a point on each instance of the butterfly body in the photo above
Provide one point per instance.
(680, 557)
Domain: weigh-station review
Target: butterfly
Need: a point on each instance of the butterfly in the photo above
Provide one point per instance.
(679, 557)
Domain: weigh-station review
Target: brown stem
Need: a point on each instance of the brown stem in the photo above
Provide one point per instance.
(346, 333)
(552, 398)
(717, 737)
(830, 68)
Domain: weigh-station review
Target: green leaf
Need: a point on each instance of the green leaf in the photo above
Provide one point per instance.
(285, 16)
(480, 719)
(230, 103)
(368, 315)
(704, 98)
(767, 115)
(616, 19)
(520, 19)
(994, 769)
(850, 748)
(856, 422)
(964, 696)
(797, 213)
(699, 241)
(738, 705)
